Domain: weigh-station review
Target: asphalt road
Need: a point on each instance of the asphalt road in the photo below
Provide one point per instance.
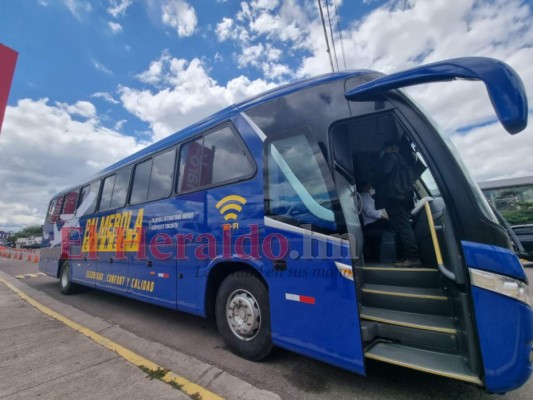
(289, 375)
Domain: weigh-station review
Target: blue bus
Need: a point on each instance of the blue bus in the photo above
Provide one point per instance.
(252, 216)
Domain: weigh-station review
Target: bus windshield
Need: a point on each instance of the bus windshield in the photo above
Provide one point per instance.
(483, 205)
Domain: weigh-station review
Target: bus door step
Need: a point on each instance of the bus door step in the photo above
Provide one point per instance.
(443, 364)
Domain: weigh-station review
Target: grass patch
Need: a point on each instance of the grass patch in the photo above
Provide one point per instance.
(158, 373)
(175, 385)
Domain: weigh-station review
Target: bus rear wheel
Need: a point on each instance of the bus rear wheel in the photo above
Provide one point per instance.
(65, 279)
(243, 316)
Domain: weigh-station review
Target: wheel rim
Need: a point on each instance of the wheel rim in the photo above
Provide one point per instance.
(243, 314)
(64, 277)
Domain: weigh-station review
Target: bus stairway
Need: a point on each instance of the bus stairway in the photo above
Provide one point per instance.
(407, 320)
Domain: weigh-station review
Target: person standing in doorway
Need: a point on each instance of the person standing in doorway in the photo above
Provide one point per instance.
(394, 192)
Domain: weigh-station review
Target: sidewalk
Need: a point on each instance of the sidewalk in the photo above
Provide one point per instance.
(41, 357)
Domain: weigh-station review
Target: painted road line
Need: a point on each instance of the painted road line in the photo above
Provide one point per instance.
(189, 388)
(30, 275)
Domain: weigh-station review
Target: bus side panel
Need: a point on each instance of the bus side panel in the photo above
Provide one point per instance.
(505, 329)
(313, 306)
(49, 255)
(152, 272)
(235, 239)
(49, 260)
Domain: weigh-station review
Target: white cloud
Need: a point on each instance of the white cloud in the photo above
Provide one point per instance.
(102, 68)
(119, 125)
(44, 149)
(82, 108)
(77, 7)
(117, 8)
(106, 96)
(264, 4)
(218, 57)
(224, 29)
(115, 27)
(179, 15)
(267, 31)
(184, 94)
(491, 153)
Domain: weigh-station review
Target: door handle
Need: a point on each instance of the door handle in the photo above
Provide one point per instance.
(111, 260)
(149, 264)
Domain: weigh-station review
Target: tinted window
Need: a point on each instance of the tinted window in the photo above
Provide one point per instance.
(162, 175)
(120, 191)
(153, 178)
(70, 202)
(88, 197)
(115, 190)
(297, 188)
(107, 192)
(317, 108)
(55, 209)
(141, 181)
(216, 158)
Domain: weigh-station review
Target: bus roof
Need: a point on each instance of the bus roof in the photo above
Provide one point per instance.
(218, 117)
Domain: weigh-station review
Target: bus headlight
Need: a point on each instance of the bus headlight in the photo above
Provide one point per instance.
(503, 285)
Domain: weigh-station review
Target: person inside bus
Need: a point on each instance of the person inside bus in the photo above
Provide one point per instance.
(372, 218)
(394, 182)
(375, 222)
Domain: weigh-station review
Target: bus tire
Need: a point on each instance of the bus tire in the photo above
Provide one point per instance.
(66, 286)
(243, 315)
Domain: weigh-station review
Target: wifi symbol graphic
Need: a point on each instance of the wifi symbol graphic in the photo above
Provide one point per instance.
(230, 206)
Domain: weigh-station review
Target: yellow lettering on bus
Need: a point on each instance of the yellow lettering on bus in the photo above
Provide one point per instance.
(101, 233)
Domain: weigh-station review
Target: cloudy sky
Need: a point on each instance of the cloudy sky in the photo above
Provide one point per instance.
(98, 80)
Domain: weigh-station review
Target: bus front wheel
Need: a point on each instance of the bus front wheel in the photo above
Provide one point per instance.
(65, 279)
(243, 315)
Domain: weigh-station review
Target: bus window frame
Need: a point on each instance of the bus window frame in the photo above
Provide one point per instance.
(97, 196)
(152, 156)
(338, 214)
(98, 210)
(211, 130)
(75, 205)
(55, 199)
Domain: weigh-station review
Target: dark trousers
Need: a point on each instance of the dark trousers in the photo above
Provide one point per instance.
(380, 224)
(399, 219)
(372, 233)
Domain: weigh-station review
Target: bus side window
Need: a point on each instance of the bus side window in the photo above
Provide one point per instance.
(298, 192)
(162, 175)
(115, 190)
(55, 209)
(217, 158)
(87, 200)
(141, 182)
(71, 200)
(152, 179)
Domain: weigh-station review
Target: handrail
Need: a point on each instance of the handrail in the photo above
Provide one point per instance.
(424, 204)
(445, 271)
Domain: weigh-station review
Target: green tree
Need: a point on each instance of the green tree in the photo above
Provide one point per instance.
(35, 230)
(523, 214)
